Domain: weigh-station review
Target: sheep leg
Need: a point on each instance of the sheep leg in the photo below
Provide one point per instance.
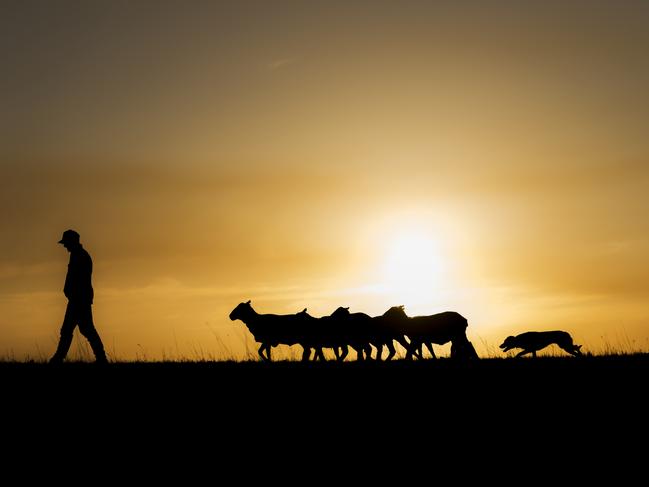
(413, 349)
(261, 351)
(379, 351)
(345, 352)
(319, 354)
(337, 353)
(359, 353)
(401, 340)
(391, 350)
(306, 354)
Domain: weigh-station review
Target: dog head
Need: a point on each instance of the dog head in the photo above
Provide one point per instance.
(508, 344)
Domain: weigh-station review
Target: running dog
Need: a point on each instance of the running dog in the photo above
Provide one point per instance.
(533, 341)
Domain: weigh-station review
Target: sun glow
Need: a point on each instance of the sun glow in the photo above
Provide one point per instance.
(414, 269)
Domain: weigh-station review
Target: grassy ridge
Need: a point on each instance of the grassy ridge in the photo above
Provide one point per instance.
(278, 412)
(584, 377)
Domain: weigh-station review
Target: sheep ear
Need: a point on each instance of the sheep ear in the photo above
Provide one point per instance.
(401, 306)
(304, 310)
(347, 308)
(248, 302)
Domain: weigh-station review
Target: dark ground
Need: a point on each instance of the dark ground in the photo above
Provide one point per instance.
(384, 412)
(275, 388)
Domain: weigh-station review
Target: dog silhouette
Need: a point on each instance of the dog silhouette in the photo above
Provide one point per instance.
(533, 341)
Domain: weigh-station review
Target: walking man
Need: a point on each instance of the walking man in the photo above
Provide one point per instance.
(78, 290)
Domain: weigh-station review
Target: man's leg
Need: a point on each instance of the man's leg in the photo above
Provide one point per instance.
(88, 330)
(67, 329)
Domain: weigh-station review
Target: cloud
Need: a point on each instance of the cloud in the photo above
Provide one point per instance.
(281, 63)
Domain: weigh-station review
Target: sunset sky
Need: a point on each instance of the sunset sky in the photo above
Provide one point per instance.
(490, 158)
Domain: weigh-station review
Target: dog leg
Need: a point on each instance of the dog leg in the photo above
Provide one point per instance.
(574, 351)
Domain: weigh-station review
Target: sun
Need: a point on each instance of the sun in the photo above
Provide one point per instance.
(413, 270)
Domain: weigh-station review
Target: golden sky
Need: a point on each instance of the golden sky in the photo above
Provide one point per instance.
(490, 158)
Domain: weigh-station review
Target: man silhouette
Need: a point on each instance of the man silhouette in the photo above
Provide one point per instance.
(78, 290)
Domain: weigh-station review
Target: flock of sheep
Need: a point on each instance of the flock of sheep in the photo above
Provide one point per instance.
(343, 329)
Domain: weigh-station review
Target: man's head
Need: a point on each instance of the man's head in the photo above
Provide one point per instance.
(70, 239)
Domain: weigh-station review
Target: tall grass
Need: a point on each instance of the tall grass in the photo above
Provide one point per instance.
(221, 351)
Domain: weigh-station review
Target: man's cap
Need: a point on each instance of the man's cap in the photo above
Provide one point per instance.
(69, 236)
